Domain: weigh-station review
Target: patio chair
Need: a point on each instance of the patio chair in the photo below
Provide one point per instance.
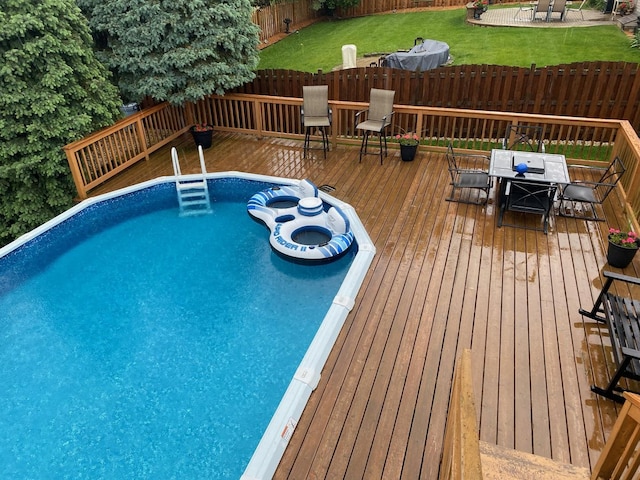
(590, 193)
(378, 118)
(570, 8)
(621, 315)
(472, 179)
(541, 6)
(523, 137)
(558, 6)
(527, 196)
(524, 7)
(315, 114)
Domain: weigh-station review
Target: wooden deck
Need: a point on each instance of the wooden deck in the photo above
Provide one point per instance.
(444, 278)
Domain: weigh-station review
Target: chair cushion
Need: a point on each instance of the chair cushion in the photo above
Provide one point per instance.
(473, 179)
(579, 193)
(371, 125)
(316, 121)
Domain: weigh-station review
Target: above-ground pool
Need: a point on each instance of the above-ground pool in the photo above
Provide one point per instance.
(138, 344)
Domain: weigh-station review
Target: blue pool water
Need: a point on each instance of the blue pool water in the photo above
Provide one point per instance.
(137, 344)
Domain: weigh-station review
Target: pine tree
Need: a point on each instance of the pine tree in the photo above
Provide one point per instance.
(52, 91)
(178, 50)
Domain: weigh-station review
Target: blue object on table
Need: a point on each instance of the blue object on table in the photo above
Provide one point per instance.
(522, 168)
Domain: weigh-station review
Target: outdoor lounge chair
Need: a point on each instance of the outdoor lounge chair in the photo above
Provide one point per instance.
(590, 193)
(524, 7)
(541, 6)
(527, 196)
(523, 137)
(315, 114)
(466, 178)
(378, 118)
(570, 8)
(558, 6)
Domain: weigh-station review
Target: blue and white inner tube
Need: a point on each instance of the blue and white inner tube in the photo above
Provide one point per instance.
(300, 227)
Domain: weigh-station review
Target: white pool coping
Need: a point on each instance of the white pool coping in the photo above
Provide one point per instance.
(275, 439)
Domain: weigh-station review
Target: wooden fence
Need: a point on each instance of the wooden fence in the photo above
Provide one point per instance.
(593, 89)
(98, 157)
(270, 18)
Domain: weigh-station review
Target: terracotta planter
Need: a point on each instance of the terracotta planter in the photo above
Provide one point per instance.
(203, 138)
(408, 152)
(620, 257)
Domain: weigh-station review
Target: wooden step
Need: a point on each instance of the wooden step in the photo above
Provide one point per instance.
(499, 463)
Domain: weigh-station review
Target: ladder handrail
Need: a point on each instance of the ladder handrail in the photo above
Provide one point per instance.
(192, 190)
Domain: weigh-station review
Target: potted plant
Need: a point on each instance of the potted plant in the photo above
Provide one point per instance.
(408, 145)
(625, 8)
(479, 7)
(622, 247)
(202, 134)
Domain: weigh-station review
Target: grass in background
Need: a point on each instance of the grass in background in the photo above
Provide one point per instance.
(319, 47)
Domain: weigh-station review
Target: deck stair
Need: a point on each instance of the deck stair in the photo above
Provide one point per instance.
(192, 190)
(500, 463)
(465, 456)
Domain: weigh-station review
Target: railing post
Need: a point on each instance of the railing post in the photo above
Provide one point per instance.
(461, 450)
(621, 455)
(75, 173)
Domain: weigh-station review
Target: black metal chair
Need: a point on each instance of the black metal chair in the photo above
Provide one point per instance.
(315, 114)
(527, 196)
(378, 118)
(467, 178)
(523, 137)
(590, 193)
(622, 317)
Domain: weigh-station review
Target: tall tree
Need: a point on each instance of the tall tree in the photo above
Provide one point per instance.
(52, 91)
(175, 50)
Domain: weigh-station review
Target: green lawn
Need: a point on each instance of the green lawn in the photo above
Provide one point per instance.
(318, 47)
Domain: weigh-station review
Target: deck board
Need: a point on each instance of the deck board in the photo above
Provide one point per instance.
(444, 278)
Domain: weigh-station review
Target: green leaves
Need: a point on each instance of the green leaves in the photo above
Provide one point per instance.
(52, 91)
(180, 51)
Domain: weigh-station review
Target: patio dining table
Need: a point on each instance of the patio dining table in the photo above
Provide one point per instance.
(542, 167)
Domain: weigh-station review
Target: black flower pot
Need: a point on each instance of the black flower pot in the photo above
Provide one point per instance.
(618, 256)
(408, 152)
(203, 138)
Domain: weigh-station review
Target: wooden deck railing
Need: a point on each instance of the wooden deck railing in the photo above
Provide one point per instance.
(621, 455)
(461, 451)
(582, 140)
(461, 457)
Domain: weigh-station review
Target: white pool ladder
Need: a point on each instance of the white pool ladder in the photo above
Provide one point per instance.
(192, 190)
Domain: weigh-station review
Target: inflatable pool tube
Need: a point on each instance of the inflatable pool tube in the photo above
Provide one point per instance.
(301, 230)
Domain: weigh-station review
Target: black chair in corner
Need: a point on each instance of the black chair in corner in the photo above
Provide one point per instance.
(315, 114)
(378, 118)
(523, 137)
(527, 196)
(467, 178)
(590, 193)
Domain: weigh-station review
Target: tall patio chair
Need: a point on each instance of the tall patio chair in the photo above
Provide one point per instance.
(378, 118)
(558, 6)
(527, 196)
(570, 8)
(523, 137)
(590, 194)
(541, 6)
(315, 114)
(463, 177)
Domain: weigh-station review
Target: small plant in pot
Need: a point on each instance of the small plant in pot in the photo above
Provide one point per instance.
(408, 145)
(480, 6)
(202, 134)
(622, 247)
